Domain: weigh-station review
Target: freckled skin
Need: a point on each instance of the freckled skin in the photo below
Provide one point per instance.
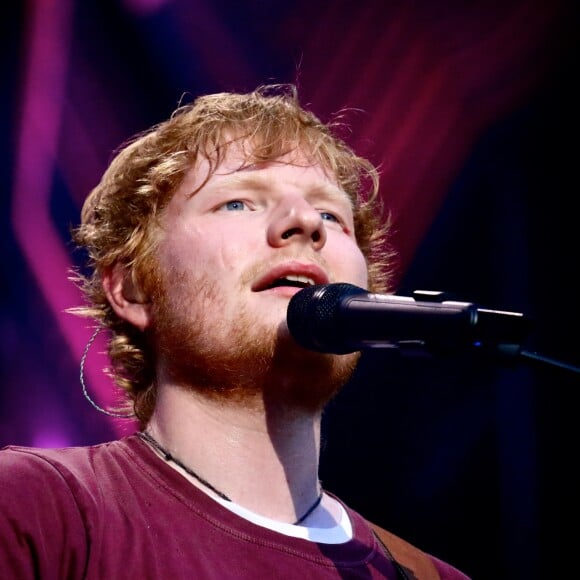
(214, 331)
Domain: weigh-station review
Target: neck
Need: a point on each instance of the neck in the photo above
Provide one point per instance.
(265, 459)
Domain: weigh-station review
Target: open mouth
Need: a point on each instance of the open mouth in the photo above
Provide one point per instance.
(294, 281)
(290, 275)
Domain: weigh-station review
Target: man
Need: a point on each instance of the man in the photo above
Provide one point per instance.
(199, 233)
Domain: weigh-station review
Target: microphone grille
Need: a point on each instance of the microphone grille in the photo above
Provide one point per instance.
(313, 314)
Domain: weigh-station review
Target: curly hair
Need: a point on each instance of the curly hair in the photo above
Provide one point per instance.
(119, 218)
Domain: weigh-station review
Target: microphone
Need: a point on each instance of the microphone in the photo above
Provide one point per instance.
(342, 318)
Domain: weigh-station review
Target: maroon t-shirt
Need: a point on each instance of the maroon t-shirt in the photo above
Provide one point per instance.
(115, 511)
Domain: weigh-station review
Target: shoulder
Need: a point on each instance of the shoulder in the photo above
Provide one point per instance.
(27, 466)
(20, 457)
(58, 487)
(46, 502)
(421, 565)
(33, 468)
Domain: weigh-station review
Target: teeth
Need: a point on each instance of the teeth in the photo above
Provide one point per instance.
(301, 279)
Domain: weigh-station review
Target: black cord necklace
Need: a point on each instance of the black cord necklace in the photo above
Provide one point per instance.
(168, 457)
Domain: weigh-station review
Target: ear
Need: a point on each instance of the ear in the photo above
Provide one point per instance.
(125, 297)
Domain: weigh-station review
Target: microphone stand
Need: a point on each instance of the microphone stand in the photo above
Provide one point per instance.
(501, 351)
(538, 358)
(509, 349)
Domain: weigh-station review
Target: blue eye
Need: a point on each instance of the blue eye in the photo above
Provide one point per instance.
(329, 217)
(234, 205)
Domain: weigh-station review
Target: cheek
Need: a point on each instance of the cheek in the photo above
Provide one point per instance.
(350, 263)
(203, 252)
(363, 272)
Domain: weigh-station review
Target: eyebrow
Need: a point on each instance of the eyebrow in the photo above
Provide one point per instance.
(239, 180)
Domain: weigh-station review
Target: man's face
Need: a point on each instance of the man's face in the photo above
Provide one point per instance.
(231, 257)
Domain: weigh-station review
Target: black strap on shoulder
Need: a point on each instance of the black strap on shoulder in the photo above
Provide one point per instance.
(401, 573)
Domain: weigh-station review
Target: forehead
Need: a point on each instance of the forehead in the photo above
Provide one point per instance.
(238, 169)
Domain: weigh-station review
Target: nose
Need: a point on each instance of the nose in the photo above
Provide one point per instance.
(296, 220)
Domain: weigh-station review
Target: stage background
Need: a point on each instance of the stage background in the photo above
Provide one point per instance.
(469, 108)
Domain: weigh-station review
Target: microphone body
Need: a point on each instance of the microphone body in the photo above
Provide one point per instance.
(343, 318)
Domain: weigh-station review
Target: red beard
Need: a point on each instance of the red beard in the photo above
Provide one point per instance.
(237, 360)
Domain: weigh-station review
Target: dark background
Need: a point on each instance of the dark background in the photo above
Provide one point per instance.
(469, 108)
